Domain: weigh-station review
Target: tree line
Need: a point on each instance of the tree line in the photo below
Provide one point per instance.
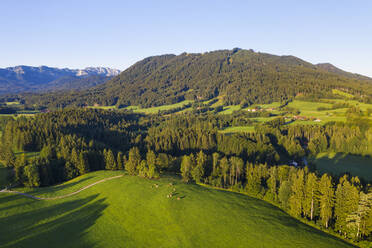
(344, 205)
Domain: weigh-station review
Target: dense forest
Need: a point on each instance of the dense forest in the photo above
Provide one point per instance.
(237, 76)
(269, 163)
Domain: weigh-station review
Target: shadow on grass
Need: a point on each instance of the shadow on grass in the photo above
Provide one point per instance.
(57, 188)
(60, 225)
(264, 211)
(340, 164)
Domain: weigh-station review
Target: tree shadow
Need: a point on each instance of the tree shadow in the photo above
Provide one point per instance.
(57, 188)
(59, 225)
(341, 163)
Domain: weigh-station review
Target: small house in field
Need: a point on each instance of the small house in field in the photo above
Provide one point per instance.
(301, 118)
(293, 163)
(318, 120)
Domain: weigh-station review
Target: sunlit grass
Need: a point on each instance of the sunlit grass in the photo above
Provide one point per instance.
(131, 212)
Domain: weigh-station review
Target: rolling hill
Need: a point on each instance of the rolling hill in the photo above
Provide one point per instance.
(135, 212)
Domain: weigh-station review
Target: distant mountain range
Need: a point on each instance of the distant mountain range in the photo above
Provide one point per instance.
(40, 79)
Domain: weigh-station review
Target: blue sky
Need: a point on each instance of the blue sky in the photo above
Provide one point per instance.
(113, 33)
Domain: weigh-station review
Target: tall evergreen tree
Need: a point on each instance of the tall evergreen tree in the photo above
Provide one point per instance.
(110, 162)
(134, 159)
(186, 167)
(326, 200)
(346, 202)
(153, 171)
(197, 172)
(225, 166)
(297, 197)
(32, 174)
(272, 181)
(83, 166)
(120, 161)
(360, 220)
(284, 194)
(311, 197)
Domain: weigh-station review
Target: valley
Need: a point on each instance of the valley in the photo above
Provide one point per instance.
(180, 162)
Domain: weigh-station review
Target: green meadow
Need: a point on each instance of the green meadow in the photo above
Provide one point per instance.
(342, 93)
(244, 129)
(155, 110)
(133, 212)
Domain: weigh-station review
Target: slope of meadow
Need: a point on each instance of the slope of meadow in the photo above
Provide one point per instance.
(134, 212)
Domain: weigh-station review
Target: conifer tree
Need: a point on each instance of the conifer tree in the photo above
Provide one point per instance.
(197, 172)
(19, 166)
(253, 178)
(83, 166)
(297, 197)
(311, 200)
(134, 159)
(151, 164)
(74, 157)
(284, 194)
(186, 167)
(225, 166)
(272, 193)
(70, 170)
(215, 163)
(32, 173)
(238, 165)
(142, 169)
(8, 156)
(326, 200)
(346, 202)
(110, 162)
(360, 220)
(120, 161)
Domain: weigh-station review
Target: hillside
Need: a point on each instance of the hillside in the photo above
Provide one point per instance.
(132, 212)
(236, 76)
(333, 69)
(40, 79)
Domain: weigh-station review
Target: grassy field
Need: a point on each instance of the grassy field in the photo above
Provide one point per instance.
(155, 110)
(310, 109)
(102, 107)
(244, 129)
(342, 93)
(131, 212)
(338, 164)
(12, 103)
(230, 109)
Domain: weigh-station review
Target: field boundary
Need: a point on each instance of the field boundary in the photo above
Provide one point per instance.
(58, 197)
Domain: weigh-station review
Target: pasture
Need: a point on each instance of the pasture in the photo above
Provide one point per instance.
(132, 212)
(244, 129)
(155, 110)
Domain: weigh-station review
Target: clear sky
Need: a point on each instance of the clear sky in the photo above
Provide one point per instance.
(116, 34)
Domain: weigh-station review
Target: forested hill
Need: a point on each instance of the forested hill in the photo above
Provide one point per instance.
(237, 76)
(333, 69)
